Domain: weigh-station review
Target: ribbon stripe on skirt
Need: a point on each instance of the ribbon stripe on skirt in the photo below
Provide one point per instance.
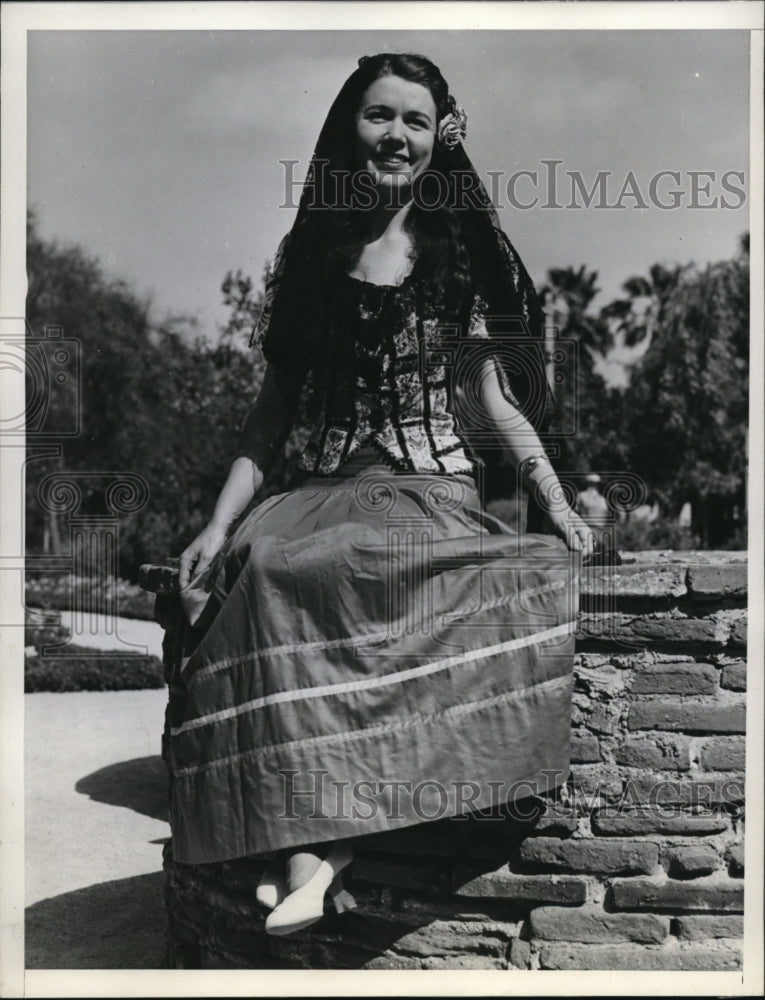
(374, 651)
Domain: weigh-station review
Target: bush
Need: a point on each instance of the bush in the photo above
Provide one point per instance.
(663, 533)
(42, 627)
(67, 592)
(91, 670)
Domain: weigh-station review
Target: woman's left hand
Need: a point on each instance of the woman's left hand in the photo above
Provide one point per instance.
(573, 530)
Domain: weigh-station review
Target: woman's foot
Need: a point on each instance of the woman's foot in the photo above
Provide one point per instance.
(305, 904)
(301, 868)
(284, 875)
(272, 887)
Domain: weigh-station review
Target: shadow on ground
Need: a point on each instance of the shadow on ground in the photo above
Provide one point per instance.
(113, 925)
(140, 784)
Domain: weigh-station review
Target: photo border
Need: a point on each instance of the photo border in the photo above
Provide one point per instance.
(17, 20)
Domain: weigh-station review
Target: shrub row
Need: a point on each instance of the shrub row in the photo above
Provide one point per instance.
(91, 670)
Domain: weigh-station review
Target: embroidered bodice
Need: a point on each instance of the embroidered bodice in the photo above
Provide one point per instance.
(383, 375)
(383, 381)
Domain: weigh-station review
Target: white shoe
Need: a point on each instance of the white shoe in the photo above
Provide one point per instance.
(272, 887)
(305, 905)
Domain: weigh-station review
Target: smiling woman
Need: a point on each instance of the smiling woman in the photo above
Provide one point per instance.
(374, 624)
(395, 130)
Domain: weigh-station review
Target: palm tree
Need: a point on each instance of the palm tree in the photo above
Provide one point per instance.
(642, 312)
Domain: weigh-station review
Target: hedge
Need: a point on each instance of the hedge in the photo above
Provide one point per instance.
(91, 670)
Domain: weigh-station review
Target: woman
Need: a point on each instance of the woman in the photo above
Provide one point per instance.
(373, 649)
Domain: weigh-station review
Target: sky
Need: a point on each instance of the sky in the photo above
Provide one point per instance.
(158, 151)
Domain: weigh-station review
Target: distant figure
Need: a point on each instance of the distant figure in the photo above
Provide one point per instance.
(647, 512)
(591, 504)
(685, 517)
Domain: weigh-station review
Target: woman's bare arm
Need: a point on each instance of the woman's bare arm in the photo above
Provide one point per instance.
(520, 441)
(262, 436)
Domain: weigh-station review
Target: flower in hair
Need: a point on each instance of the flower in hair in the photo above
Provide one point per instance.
(452, 128)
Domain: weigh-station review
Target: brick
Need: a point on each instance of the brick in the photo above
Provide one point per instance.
(462, 962)
(659, 790)
(247, 940)
(631, 823)
(687, 716)
(593, 925)
(520, 954)
(555, 823)
(600, 717)
(585, 749)
(635, 957)
(490, 850)
(637, 661)
(599, 682)
(712, 893)
(675, 678)
(734, 676)
(709, 582)
(392, 962)
(673, 630)
(419, 909)
(444, 938)
(692, 860)
(723, 754)
(634, 581)
(736, 860)
(210, 959)
(407, 876)
(522, 889)
(435, 841)
(738, 634)
(294, 951)
(591, 780)
(705, 927)
(648, 632)
(608, 857)
(659, 753)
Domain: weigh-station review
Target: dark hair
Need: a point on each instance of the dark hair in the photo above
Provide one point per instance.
(331, 240)
(459, 246)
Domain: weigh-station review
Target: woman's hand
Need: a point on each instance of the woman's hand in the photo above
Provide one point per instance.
(201, 552)
(572, 529)
(565, 522)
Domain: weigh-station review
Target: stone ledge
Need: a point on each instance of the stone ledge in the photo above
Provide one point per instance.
(703, 557)
(653, 574)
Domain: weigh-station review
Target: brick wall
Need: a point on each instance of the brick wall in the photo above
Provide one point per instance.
(636, 863)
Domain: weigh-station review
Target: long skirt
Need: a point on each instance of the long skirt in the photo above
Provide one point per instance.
(372, 651)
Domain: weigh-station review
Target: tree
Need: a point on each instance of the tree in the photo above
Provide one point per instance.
(586, 403)
(156, 401)
(642, 312)
(120, 372)
(688, 395)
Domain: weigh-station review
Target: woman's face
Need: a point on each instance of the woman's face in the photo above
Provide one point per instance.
(395, 131)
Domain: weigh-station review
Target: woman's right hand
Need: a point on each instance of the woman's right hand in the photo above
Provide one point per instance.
(201, 552)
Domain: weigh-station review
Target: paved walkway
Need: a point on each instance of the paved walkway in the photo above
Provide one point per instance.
(130, 634)
(95, 821)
